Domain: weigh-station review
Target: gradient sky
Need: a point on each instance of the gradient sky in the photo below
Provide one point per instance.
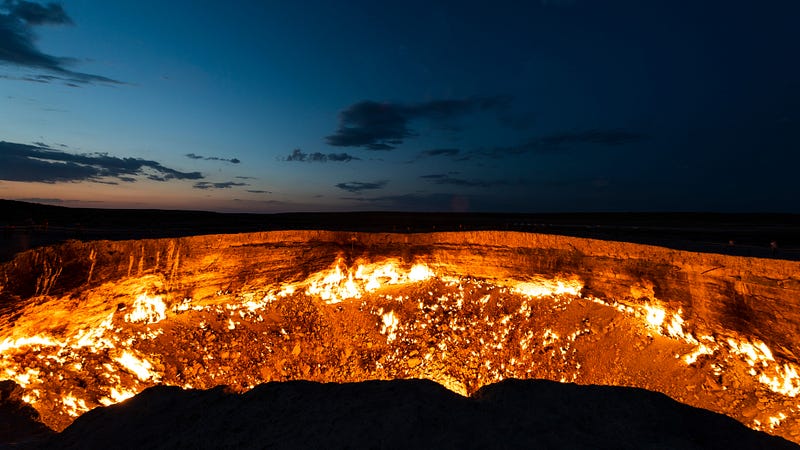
(527, 106)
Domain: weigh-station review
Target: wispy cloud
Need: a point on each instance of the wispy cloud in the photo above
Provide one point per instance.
(300, 156)
(212, 158)
(18, 48)
(384, 126)
(223, 185)
(258, 191)
(22, 162)
(359, 186)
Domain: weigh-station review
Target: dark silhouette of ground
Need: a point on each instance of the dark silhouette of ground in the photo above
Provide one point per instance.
(408, 414)
(19, 422)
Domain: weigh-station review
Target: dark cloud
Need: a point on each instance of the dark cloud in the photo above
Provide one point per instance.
(258, 191)
(212, 158)
(383, 126)
(222, 185)
(245, 178)
(301, 156)
(447, 179)
(599, 137)
(359, 186)
(18, 48)
(36, 14)
(561, 142)
(441, 152)
(21, 162)
(341, 157)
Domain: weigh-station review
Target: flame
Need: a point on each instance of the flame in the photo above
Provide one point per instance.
(341, 283)
(757, 353)
(147, 309)
(543, 287)
(786, 380)
(140, 367)
(390, 323)
(655, 316)
(775, 421)
(74, 406)
(117, 396)
(702, 349)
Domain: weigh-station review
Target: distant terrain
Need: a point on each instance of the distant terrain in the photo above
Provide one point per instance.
(30, 225)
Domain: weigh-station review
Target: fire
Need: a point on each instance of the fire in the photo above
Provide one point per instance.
(702, 349)
(141, 367)
(786, 380)
(655, 316)
(341, 283)
(147, 309)
(543, 287)
(390, 323)
(116, 396)
(74, 406)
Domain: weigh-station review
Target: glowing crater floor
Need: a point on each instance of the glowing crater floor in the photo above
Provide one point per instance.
(382, 320)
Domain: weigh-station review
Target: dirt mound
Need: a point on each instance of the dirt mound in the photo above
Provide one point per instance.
(19, 422)
(408, 414)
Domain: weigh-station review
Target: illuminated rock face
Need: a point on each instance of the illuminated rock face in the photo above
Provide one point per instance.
(87, 324)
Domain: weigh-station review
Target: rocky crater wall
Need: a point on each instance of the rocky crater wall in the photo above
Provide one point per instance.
(750, 296)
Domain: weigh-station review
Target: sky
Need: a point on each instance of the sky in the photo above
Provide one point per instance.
(524, 106)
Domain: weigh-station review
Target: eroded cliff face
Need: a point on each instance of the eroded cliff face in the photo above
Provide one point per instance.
(86, 324)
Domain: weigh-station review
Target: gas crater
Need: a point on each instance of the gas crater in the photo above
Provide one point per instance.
(86, 324)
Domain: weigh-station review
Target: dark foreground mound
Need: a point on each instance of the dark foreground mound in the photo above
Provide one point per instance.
(408, 414)
(19, 422)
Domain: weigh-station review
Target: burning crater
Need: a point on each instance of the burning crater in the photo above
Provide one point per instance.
(90, 324)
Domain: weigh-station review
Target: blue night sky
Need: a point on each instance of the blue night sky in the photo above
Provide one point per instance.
(534, 106)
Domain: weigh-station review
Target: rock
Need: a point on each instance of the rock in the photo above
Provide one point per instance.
(413, 362)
